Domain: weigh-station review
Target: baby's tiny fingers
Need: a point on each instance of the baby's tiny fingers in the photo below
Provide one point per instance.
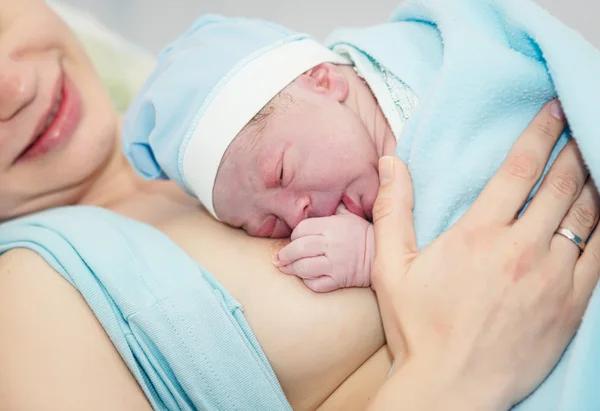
(309, 226)
(287, 269)
(311, 267)
(322, 284)
(309, 246)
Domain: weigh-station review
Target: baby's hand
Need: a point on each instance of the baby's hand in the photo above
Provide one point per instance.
(330, 252)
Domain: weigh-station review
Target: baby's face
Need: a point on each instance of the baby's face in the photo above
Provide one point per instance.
(309, 158)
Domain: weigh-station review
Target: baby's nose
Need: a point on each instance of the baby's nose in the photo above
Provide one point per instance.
(301, 211)
(303, 205)
(17, 87)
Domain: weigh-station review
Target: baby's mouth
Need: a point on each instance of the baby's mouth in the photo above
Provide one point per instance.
(368, 209)
(353, 207)
(369, 215)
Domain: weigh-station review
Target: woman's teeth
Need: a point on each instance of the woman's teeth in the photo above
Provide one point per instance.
(53, 113)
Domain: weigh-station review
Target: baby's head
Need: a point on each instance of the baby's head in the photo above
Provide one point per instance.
(303, 154)
(264, 141)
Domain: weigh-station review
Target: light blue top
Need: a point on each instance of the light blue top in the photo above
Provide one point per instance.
(182, 335)
(481, 70)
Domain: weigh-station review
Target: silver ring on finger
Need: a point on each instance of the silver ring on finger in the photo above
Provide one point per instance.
(565, 232)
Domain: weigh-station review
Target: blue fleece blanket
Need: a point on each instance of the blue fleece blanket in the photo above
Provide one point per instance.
(482, 69)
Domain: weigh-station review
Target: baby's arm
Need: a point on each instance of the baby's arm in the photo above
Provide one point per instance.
(330, 252)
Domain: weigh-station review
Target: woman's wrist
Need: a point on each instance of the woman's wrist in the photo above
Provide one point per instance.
(430, 386)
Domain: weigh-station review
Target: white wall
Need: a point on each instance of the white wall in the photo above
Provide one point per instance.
(153, 23)
(582, 15)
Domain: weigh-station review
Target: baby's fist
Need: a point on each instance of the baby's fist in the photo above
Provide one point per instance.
(330, 252)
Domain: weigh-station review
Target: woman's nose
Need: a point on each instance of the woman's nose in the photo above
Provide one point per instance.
(17, 87)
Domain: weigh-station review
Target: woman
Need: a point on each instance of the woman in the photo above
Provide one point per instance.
(55, 354)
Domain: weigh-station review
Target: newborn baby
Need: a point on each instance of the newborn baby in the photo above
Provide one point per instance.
(306, 166)
(286, 145)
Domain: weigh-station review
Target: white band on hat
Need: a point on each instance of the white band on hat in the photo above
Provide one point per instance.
(248, 91)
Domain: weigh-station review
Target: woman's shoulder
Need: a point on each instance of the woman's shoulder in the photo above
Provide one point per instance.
(60, 234)
(24, 241)
(84, 223)
(93, 247)
(39, 305)
(21, 259)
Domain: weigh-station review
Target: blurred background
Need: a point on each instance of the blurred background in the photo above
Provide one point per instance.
(153, 23)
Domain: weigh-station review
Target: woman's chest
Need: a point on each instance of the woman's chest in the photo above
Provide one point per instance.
(314, 342)
(157, 204)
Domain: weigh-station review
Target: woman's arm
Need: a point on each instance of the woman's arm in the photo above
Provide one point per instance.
(53, 352)
(424, 386)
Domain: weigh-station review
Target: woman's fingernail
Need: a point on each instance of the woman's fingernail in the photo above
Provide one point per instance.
(386, 170)
(557, 110)
(276, 260)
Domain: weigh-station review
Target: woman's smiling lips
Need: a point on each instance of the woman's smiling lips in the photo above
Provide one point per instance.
(58, 122)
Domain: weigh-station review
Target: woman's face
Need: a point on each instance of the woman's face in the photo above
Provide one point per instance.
(57, 125)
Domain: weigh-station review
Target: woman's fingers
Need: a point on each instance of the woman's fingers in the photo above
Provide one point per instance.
(581, 219)
(587, 270)
(395, 243)
(395, 240)
(507, 191)
(560, 188)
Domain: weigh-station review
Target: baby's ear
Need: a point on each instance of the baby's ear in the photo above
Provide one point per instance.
(326, 79)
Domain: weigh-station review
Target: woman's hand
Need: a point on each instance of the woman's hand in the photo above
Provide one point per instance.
(484, 312)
